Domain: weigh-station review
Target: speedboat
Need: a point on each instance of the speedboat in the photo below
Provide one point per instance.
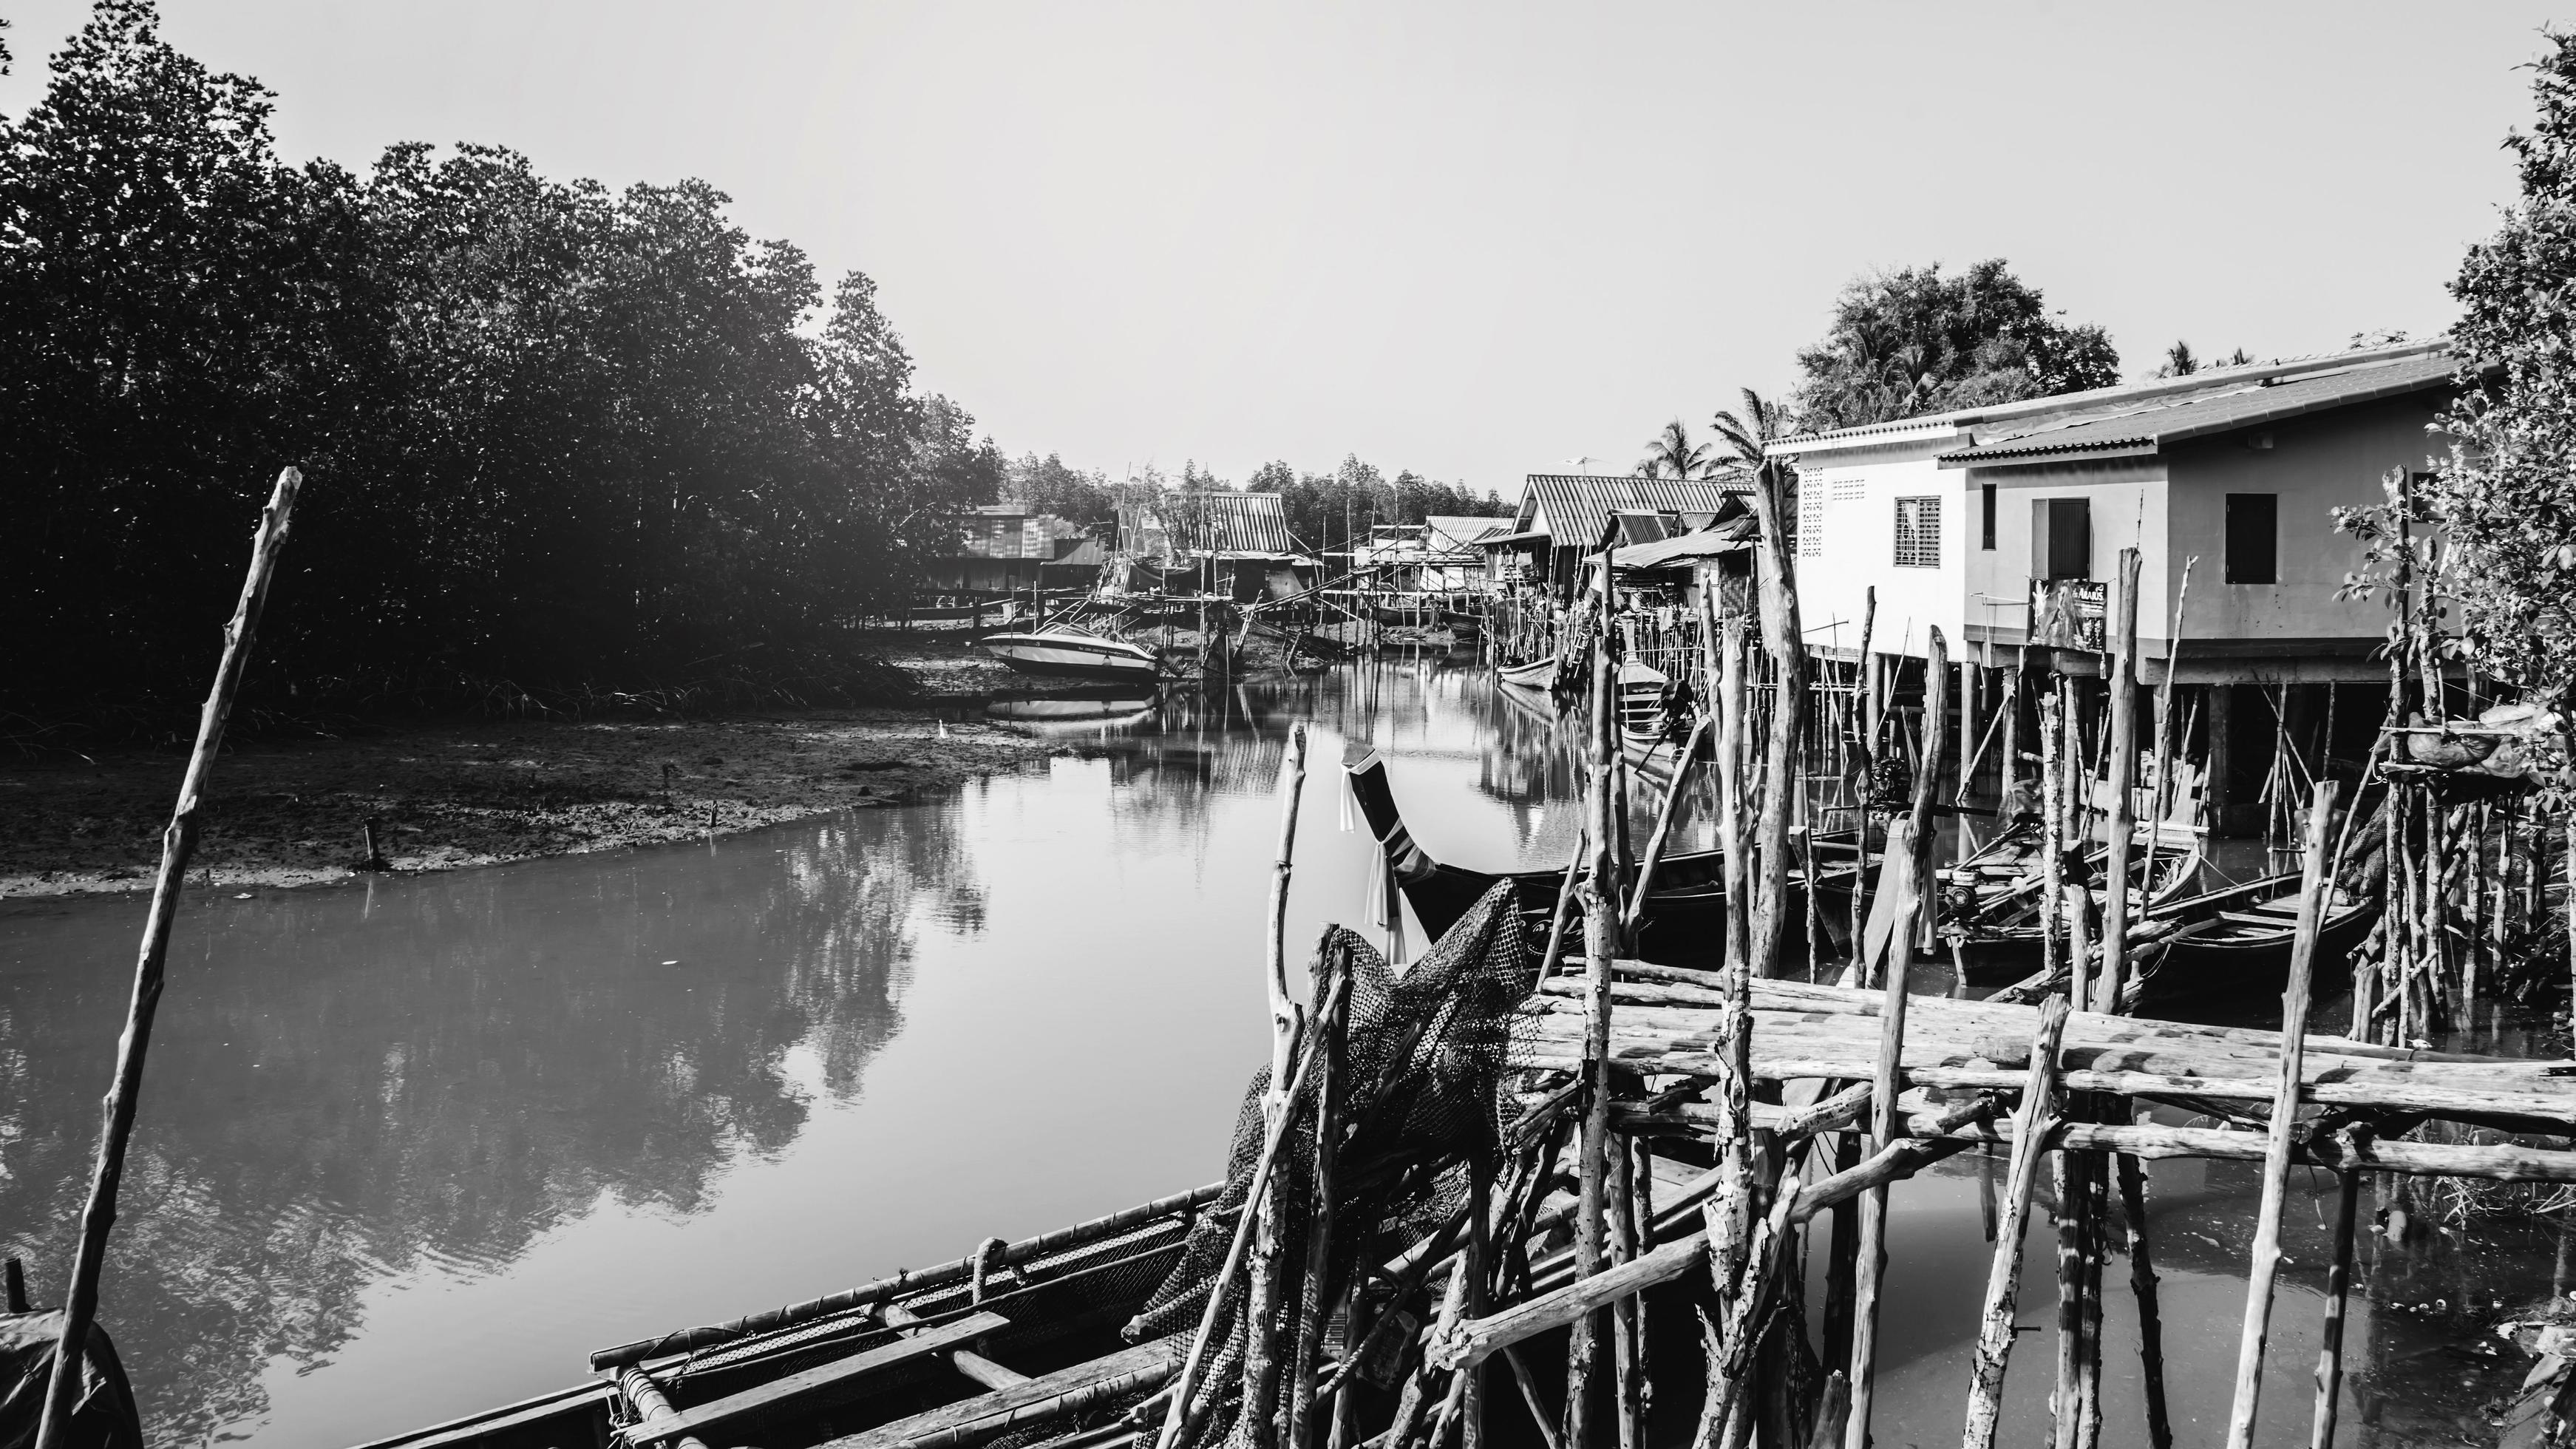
(1065, 652)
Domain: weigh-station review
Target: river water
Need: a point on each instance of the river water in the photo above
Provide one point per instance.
(413, 1146)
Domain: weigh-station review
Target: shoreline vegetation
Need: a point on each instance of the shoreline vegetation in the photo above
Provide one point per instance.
(458, 791)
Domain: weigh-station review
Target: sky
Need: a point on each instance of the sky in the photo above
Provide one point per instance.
(1475, 240)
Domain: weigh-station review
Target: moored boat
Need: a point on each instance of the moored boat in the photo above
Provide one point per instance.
(1069, 653)
(925, 1353)
(2239, 941)
(1536, 674)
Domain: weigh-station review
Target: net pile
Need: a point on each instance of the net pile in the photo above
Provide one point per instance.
(1421, 1069)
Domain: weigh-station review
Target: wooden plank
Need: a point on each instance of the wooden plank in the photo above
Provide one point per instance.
(813, 1380)
(1045, 1396)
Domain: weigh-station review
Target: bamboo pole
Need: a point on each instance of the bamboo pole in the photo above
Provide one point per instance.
(2313, 889)
(2033, 1123)
(124, 1093)
(1902, 854)
(1786, 643)
(2142, 1285)
(2338, 1300)
(2123, 771)
(1262, 1293)
(1583, 1347)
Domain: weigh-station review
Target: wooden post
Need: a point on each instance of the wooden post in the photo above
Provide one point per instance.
(1903, 856)
(2008, 796)
(2142, 1284)
(1730, 796)
(1262, 1295)
(1864, 704)
(1662, 833)
(2033, 1122)
(2314, 887)
(2052, 836)
(2338, 1299)
(125, 1091)
(1331, 1019)
(2166, 742)
(1917, 925)
(1786, 643)
(1601, 940)
(2123, 772)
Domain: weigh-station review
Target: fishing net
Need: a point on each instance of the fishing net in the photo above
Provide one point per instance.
(1420, 1071)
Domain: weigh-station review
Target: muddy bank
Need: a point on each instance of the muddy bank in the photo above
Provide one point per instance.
(479, 793)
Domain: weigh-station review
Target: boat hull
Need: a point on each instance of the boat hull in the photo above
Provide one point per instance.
(1053, 656)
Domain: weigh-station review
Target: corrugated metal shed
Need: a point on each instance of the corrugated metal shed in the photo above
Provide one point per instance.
(1577, 506)
(1008, 530)
(1453, 534)
(2148, 428)
(1221, 522)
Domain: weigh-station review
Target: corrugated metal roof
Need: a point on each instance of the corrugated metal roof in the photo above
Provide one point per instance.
(2158, 424)
(1455, 533)
(1012, 531)
(1578, 505)
(2119, 397)
(1227, 522)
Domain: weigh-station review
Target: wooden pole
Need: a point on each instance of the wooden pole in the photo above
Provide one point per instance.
(1902, 856)
(2052, 837)
(2166, 740)
(1927, 783)
(1662, 834)
(2142, 1285)
(2033, 1122)
(1864, 704)
(2314, 887)
(1786, 643)
(1262, 1294)
(1331, 1018)
(1601, 940)
(125, 1092)
(2123, 771)
(1730, 808)
(2338, 1300)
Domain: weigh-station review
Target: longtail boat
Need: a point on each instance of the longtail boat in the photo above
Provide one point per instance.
(1684, 912)
(1011, 1340)
(2238, 941)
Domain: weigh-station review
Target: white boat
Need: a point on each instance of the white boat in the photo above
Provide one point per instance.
(1067, 653)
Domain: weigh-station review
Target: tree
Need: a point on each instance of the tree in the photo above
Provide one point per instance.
(1672, 454)
(1915, 341)
(2506, 495)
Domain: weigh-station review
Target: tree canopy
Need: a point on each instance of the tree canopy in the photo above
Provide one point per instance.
(2507, 494)
(551, 432)
(1916, 341)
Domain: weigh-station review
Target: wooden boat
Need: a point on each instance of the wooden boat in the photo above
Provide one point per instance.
(1642, 716)
(1066, 652)
(2238, 940)
(924, 1354)
(1536, 674)
(1992, 902)
(1463, 624)
(1685, 912)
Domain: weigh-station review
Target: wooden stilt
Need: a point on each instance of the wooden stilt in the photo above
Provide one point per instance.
(125, 1090)
(1262, 1297)
(2142, 1285)
(2167, 742)
(1583, 1348)
(1730, 809)
(1865, 705)
(2033, 1123)
(2338, 1299)
(2314, 887)
(1901, 852)
(2123, 776)
(2052, 837)
(1785, 644)
(1916, 926)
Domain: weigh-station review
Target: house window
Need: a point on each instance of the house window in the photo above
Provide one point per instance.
(1918, 533)
(2253, 538)
(2061, 539)
(1986, 517)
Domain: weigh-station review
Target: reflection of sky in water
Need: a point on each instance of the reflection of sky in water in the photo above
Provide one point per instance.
(475, 1122)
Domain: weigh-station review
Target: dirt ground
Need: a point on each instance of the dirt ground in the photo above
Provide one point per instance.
(477, 792)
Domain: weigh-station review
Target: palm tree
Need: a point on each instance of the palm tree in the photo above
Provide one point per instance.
(1747, 434)
(1672, 454)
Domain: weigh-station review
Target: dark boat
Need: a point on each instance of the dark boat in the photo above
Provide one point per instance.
(1463, 624)
(1992, 901)
(1685, 912)
(2238, 941)
(935, 1351)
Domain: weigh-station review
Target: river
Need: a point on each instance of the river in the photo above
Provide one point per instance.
(411, 1146)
